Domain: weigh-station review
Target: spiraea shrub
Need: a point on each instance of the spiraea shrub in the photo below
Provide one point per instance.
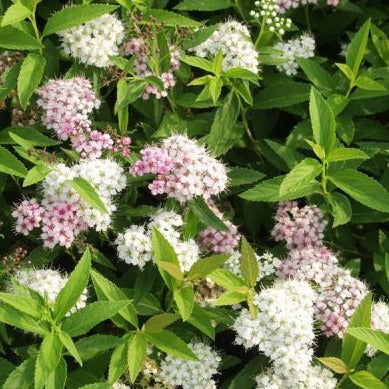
(194, 194)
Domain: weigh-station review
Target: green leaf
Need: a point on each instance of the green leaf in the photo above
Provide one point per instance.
(197, 62)
(29, 134)
(231, 297)
(171, 344)
(242, 176)
(323, 121)
(357, 48)
(137, 352)
(71, 292)
(22, 377)
(275, 96)
(241, 73)
(14, 39)
(23, 304)
(10, 164)
(14, 14)
(378, 339)
(48, 358)
(91, 346)
(20, 320)
(344, 154)
(184, 299)
(301, 175)
(128, 92)
(57, 378)
(226, 279)
(204, 266)
(118, 362)
(346, 71)
(224, 133)
(85, 319)
(9, 80)
(364, 379)
(203, 5)
(242, 88)
(201, 321)
(361, 188)
(341, 209)
(159, 322)
(335, 364)
(30, 76)
(69, 345)
(173, 269)
(246, 377)
(367, 83)
(345, 128)
(380, 41)
(88, 193)
(172, 19)
(248, 263)
(352, 349)
(73, 16)
(206, 215)
(107, 290)
(36, 174)
(316, 74)
(269, 190)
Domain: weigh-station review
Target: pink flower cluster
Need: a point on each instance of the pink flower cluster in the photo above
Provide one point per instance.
(299, 227)
(183, 169)
(337, 292)
(286, 5)
(220, 241)
(138, 48)
(66, 105)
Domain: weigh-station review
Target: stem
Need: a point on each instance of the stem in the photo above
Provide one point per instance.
(324, 178)
(32, 19)
(350, 89)
(239, 8)
(307, 19)
(261, 31)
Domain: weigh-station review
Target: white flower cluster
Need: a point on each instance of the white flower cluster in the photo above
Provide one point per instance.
(317, 377)
(47, 282)
(105, 175)
(270, 14)
(302, 46)
(283, 328)
(191, 374)
(94, 41)
(119, 385)
(134, 244)
(233, 38)
(267, 264)
(379, 321)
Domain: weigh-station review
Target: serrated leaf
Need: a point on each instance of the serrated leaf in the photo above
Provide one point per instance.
(91, 346)
(301, 175)
(10, 164)
(173, 269)
(344, 154)
(248, 263)
(29, 134)
(203, 5)
(74, 287)
(36, 174)
(73, 16)
(361, 188)
(70, 346)
(57, 378)
(184, 299)
(30, 76)
(159, 322)
(231, 297)
(204, 266)
(15, 39)
(118, 362)
(14, 14)
(22, 376)
(88, 193)
(226, 279)
(341, 209)
(137, 352)
(201, 321)
(376, 338)
(23, 304)
(242, 176)
(365, 380)
(172, 19)
(335, 364)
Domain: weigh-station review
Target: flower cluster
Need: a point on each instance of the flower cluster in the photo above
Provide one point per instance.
(62, 213)
(191, 374)
(48, 283)
(286, 5)
(269, 12)
(233, 39)
(95, 41)
(338, 293)
(316, 377)
(283, 328)
(134, 244)
(66, 107)
(183, 169)
(119, 385)
(379, 321)
(302, 46)
(138, 48)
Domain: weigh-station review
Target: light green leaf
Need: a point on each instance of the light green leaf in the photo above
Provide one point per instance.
(367, 83)
(173, 269)
(241, 73)
(364, 379)
(226, 279)
(352, 349)
(159, 322)
(361, 188)
(69, 345)
(201, 321)
(248, 263)
(74, 287)
(20, 320)
(322, 120)
(184, 299)
(341, 209)
(86, 318)
(137, 351)
(36, 174)
(73, 16)
(197, 62)
(91, 346)
(10, 164)
(14, 14)
(381, 42)
(335, 364)
(172, 19)
(345, 69)
(204, 266)
(118, 362)
(171, 344)
(28, 134)
(14, 39)
(22, 377)
(232, 297)
(203, 5)
(344, 154)
(357, 48)
(378, 339)
(242, 176)
(57, 378)
(127, 93)
(301, 175)
(23, 304)
(30, 76)
(88, 193)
